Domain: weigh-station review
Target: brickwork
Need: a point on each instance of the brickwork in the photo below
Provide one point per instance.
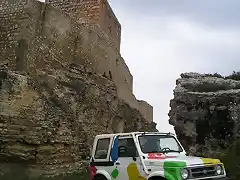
(146, 109)
(84, 11)
(9, 29)
(109, 23)
(96, 12)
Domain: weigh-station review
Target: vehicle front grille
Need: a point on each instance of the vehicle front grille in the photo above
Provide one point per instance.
(203, 171)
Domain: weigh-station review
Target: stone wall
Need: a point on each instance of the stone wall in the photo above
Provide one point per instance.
(109, 23)
(96, 12)
(146, 109)
(56, 92)
(36, 36)
(9, 29)
(83, 11)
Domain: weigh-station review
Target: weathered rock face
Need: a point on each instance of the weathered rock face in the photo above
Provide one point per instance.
(35, 35)
(205, 113)
(61, 83)
(48, 121)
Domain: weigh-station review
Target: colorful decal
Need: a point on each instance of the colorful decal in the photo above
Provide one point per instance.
(133, 172)
(172, 169)
(210, 161)
(93, 171)
(114, 150)
(159, 156)
(114, 173)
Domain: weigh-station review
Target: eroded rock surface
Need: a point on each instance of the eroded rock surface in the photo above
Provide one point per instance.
(48, 121)
(205, 113)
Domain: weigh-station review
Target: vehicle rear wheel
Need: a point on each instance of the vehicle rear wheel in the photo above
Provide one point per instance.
(99, 177)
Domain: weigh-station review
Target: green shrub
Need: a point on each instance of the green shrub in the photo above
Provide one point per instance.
(235, 76)
(215, 75)
(231, 160)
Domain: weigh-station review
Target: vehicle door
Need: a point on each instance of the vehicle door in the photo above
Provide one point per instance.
(100, 158)
(128, 163)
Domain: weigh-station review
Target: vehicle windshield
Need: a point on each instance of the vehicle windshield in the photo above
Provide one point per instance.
(159, 144)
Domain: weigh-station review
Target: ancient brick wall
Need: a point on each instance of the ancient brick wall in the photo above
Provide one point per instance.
(146, 110)
(108, 61)
(122, 69)
(45, 38)
(109, 23)
(9, 30)
(49, 39)
(84, 11)
(96, 12)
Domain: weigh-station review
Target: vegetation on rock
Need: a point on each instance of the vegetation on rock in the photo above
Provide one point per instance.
(235, 75)
(231, 159)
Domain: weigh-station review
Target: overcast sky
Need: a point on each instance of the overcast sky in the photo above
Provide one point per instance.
(163, 38)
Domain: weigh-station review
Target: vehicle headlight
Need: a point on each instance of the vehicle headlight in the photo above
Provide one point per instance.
(219, 169)
(184, 173)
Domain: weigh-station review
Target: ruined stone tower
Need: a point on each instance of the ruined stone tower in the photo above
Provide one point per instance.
(83, 30)
(96, 12)
(99, 12)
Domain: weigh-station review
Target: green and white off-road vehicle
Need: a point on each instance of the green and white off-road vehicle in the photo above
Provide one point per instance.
(148, 156)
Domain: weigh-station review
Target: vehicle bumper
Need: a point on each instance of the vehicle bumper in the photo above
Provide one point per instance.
(222, 178)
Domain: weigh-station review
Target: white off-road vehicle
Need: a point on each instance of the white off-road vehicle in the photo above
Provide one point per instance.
(148, 156)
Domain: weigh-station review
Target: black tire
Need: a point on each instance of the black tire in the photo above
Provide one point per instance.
(157, 178)
(99, 177)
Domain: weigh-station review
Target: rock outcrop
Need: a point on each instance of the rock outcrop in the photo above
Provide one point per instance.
(48, 121)
(205, 113)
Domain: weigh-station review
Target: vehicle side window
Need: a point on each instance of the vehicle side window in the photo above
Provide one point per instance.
(102, 148)
(126, 148)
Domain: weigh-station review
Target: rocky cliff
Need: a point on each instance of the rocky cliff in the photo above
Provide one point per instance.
(205, 113)
(48, 121)
(54, 97)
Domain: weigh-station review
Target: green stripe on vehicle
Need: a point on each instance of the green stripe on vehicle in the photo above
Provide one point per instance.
(172, 169)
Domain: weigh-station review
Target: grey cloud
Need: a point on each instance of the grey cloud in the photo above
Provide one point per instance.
(172, 37)
(219, 13)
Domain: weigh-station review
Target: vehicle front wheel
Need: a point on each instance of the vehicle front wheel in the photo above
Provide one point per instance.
(157, 178)
(99, 177)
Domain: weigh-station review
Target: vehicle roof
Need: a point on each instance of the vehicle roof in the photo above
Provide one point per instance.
(136, 133)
